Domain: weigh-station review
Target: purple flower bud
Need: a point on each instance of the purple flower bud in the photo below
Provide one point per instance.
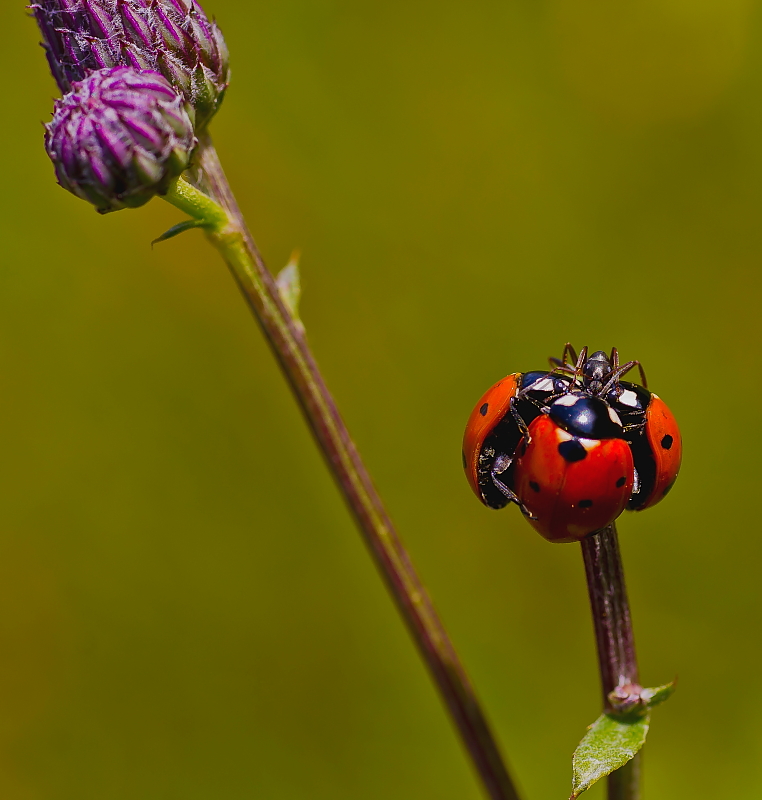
(173, 37)
(119, 137)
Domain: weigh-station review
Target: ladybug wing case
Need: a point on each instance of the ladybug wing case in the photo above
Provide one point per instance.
(572, 485)
(658, 452)
(484, 422)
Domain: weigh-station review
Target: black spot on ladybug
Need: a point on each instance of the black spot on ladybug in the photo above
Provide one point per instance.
(620, 483)
(585, 503)
(668, 489)
(463, 456)
(535, 487)
(572, 451)
(666, 441)
(484, 409)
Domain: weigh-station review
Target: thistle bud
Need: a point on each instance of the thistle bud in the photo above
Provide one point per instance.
(173, 37)
(119, 137)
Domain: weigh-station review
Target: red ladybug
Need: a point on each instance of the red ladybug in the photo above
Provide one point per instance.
(574, 471)
(495, 427)
(650, 427)
(572, 447)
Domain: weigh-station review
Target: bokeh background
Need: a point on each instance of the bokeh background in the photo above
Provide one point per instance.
(186, 610)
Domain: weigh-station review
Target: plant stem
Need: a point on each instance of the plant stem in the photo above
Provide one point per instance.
(289, 345)
(624, 783)
(615, 642)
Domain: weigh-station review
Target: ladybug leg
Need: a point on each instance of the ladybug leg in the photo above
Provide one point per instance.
(520, 422)
(560, 386)
(635, 484)
(571, 352)
(614, 359)
(535, 385)
(502, 462)
(580, 365)
(559, 365)
(643, 380)
(544, 406)
(562, 363)
(617, 373)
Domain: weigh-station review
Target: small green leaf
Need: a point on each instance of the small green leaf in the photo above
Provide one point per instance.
(181, 227)
(609, 743)
(658, 694)
(290, 287)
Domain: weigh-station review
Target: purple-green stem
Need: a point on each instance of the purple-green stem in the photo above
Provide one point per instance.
(615, 642)
(227, 230)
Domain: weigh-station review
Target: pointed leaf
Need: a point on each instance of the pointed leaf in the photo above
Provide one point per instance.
(290, 287)
(609, 744)
(176, 230)
(658, 694)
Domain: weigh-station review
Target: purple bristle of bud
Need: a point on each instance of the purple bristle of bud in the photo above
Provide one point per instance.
(119, 137)
(173, 37)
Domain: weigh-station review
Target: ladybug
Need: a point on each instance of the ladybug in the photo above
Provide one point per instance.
(496, 426)
(654, 438)
(649, 425)
(574, 471)
(572, 447)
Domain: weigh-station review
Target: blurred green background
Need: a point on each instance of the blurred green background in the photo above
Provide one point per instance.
(186, 610)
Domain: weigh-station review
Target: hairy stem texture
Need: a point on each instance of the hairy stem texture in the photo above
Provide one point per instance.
(289, 345)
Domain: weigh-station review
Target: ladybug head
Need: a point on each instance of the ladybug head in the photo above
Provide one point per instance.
(596, 371)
